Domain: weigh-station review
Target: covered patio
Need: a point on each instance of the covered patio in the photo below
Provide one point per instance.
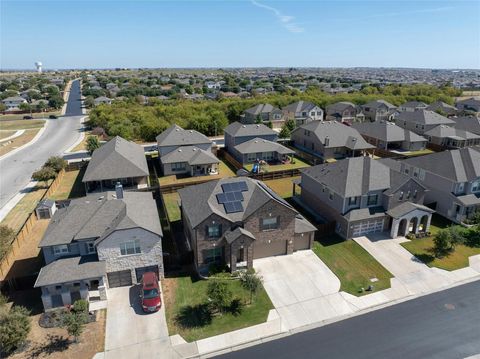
(408, 218)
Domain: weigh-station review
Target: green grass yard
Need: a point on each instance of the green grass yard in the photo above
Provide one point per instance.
(283, 187)
(186, 315)
(171, 205)
(281, 167)
(223, 171)
(353, 265)
(70, 186)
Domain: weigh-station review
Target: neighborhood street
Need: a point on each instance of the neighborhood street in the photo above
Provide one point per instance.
(440, 325)
(59, 134)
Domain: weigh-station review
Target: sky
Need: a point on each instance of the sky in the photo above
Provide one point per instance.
(239, 33)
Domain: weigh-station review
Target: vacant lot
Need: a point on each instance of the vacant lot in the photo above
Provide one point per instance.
(20, 124)
(185, 307)
(19, 141)
(353, 265)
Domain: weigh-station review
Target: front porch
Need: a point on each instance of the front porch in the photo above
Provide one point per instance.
(410, 218)
(239, 249)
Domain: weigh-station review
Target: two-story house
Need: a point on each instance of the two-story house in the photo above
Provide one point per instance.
(443, 108)
(303, 112)
(329, 140)
(378, 110)
(468, 123)
(118, 160)
(186, 152)
(13, 102)
(453, 180)
(421, 121)
(412, 106)
(344, 112)
(263, 113)
(363, 196)
(469, 105)
(233, 221)
(98, 242)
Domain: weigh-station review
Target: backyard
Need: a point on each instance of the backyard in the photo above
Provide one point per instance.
(422, 248)
(185, 305)
(298, 163)
(223, 171)
(70, 186)
(171, 206)
(353, 265)
(283, 186)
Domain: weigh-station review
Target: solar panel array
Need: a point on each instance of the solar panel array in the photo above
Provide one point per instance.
(232, 196)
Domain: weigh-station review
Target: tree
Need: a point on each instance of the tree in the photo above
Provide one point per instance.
(92, 144)
(89, 102)
(251, 282)
(14, 328)
(44, 174)
(57, 163)
(219, 294)
(56, 101)
(442, 243)
(6, 238)
(74, 321)
(25, 106)
(285, 132)
(270, 124)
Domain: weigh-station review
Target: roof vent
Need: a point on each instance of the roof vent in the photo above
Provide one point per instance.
(244, 126)
(258, 126)
(191, 131)
(177, 129)
(179, 150)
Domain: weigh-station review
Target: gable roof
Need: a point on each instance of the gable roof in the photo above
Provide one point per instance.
(261, 108)
(424, 117)
(443, 131)
(379, 103)
(262, 145)
(339, 135)
(177, 136)
(461, 165)
(445, 107)
(190, 154)
(236, 129)
(118, 158)
(387, 131)
(340, 107)
(471, 124)
(300, 106)
(98, 215)
(413, 104)
(406, 207)
(351, 177)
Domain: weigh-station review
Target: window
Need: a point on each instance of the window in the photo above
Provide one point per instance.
(401, 196)
(179, 166)
(312, 113)
(352, 201)
(61, 249)
(130, 247)
(213, 255)
(251, 157)
(214, 230)
(476, 186)
(304, 114)
(91, 248)
(372, 200)
(461, 187)
(269, 223)
(319, 113)
(268, 156)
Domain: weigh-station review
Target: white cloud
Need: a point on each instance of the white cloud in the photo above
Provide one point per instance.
(286, 20)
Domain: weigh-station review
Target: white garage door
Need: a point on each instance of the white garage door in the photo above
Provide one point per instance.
(366, 227)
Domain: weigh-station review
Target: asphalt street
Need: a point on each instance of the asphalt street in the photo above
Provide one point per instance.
(16, 170)
(441, 325)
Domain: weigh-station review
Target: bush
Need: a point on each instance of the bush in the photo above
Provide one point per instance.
(219, 294)
(92, 143)
(442, 243)
(80, 306)
(251, 282)
(44, 174)
(56, 163)
(75, 322)
(14, 329)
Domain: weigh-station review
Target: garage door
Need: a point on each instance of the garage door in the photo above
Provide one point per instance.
(119, 279)
(301, 243)
(366, 227)
(139, 271)
(277, 248)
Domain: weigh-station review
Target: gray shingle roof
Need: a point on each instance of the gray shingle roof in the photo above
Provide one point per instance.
(177, 136)
(461, 165)
(406, 207)
(443, 131)
(97, 215)
(261, 108)
(300, 106)
(471, 124)
(351, 177)
(414, 104)
(232, 236)
(339, 107)
(379, 103)
(339, 135)
(445, 107)
(424, 117)
(118, 158)
(260, 145)
(365, 213)
(387, 131)
(190, 154)
(236, 129)
(70, 269)
(302, 225)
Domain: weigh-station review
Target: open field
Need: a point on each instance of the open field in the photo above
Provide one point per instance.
(21, 124)
(19, 141)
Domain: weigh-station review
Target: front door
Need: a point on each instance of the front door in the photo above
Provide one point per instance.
(241, 255)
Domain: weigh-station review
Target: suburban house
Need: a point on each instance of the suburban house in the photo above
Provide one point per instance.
(411, 106)
(448, 137)
(329, 140)
(470, 104)
(233, 221)
(443, 108)
(102, 100)
(452, 178)
(97, 242)
(378, 110)
(303, 112)
(388, 136)
(118, 160)
(363, 196)
(421, 121)
(186, 152)
(258, 149)
(13, 102)
(237, 133)
(468, 123)
(344, 112)
(263, 113)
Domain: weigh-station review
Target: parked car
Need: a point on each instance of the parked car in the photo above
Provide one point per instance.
(27, 117)
(150, 293)
(52, 117)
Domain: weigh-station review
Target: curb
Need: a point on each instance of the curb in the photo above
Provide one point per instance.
(82, 136)
(35, 139)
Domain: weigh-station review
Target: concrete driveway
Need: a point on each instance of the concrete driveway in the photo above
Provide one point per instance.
(302, 288)
(130, 333)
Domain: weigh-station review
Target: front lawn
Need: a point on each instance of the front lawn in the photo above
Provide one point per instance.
(283, 186)
(171, 206)
(281, 167)
(352, 264)
(186, 313)
(223, 171)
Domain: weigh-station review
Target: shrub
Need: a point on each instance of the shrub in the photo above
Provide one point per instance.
(80, 306)
(251, 282)
(219, 294)
(442, 243)
(75, 322)
(14, 329)
(92, 144)
(56, 163)
(44, 174)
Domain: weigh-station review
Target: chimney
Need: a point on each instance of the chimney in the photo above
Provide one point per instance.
(119, 190)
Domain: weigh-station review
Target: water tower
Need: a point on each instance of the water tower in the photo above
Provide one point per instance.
(38, 65)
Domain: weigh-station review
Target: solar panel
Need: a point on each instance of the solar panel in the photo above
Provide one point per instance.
(238, 196)
(227, 187)
(238, 206)
(242, 186)
(221, 198)
(233, 207)
(230, 196)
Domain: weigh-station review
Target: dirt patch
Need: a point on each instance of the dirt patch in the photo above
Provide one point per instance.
(19, 141)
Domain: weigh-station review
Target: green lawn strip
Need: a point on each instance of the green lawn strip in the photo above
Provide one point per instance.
(172, 207)
(20, 124)
(281, 167)
(70, 186)
(283, 187)
(187, 298)
(223, 171)
(353, 265)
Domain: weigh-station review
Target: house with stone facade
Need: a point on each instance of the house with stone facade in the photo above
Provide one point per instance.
(233, 221)
(344, 112)
(378, 110)
(98, 242)
(118, 160)
(362, 195)
(303, 112)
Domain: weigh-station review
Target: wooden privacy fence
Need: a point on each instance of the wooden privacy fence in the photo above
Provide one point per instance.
(229, 158)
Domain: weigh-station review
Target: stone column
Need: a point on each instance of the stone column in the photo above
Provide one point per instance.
(66, 297)
(429, 220)
(394, 230)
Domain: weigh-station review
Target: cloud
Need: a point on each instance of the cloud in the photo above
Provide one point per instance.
(286, 20)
